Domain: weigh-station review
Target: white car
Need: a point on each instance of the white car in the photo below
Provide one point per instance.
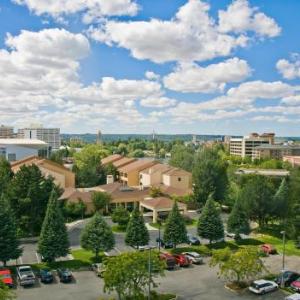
(263, 286)
(194, 257)
(293, 297)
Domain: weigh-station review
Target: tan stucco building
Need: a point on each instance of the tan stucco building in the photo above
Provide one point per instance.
(63, 177)
(153, 175)
(130, 173)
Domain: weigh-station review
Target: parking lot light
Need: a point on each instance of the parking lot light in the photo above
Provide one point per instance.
(283, 252)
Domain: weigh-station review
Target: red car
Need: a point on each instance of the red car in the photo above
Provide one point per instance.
(182, 260)
(5, 276)
(295, 285)
(268, 249)
(169, 259)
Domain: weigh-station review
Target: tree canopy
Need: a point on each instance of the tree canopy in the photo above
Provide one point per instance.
(175, 230)
(53, 241)
(210, 225)
(9, 244)
(182, 157)
(97, 236)
(6, 174)
(136, 231)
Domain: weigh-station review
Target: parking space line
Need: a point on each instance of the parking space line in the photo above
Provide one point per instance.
(37, 257)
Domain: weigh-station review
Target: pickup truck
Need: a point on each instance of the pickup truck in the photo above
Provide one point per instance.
(25, 275)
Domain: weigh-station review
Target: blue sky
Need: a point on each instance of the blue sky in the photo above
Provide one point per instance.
(126, 66)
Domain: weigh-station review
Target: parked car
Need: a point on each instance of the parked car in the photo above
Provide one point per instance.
(295, 285)
(65, 275)
(26, 276)
(263, 286)
(293, 297)
(287, 278)
(163, 244)
(169, 259)
(230, 234)
(268, 249)
(6, 278)
(193, 240)
(46, 276)
(98, 269)
(194, 257)
(182, 260)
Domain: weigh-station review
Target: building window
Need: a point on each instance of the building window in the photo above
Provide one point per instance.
(179, 179)
(3, 152)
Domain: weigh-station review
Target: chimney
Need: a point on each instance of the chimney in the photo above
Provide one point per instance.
(109, 179)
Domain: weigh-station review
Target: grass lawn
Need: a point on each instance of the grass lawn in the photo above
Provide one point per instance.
(118, 229)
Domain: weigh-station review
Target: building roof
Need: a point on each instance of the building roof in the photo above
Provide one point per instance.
(123, 161)
(172, 191)
(277, 147)
(177, 172)
(156, 168)
(263, 172)
(23, 142)
(30, 160)
(110, 159)
(120, 193)
(73, 194)
(161, 203)
(138, 165)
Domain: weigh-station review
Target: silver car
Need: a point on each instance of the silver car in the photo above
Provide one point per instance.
(194, 257)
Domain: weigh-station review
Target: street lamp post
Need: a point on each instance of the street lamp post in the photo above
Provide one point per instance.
(283, 252)
(149, 270)
(159, 241)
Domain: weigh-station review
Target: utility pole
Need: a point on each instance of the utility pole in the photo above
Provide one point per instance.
(159, 239)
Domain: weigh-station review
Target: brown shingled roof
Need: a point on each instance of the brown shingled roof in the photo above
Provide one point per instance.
(162, 203)
(137, 165)
(178, 172)
(157, 168)
(123, 161)
(110, 159)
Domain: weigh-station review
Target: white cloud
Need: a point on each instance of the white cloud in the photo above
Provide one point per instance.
(291, 100)
(240, 17)
(40, 81)
(289, 69)
(213, 78)
(191, 35)
(152, 76)
(158, 102)
(91, 9)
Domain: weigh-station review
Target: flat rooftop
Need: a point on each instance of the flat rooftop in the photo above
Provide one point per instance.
(263, 172)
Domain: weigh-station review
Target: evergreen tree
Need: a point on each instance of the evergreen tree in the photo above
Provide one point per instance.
(238, 221)
(9, 244)
(53, 241)
(97, 235)
(136, 232)
(210, 225)
(175, 229)
(281, 200)
(6, 174)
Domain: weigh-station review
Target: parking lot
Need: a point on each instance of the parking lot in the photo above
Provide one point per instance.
(193, 283)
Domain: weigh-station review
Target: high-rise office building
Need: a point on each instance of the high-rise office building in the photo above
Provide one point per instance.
(6, 132)
(51, 136)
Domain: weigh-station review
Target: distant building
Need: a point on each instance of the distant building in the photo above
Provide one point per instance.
(51, 136)
(264, 172)
(62, 176)
(293, 160)
(244, 147)
(16, 149)
(275, 151)
(6, 132)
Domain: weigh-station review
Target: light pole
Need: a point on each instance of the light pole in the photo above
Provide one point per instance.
(149, 270)
(283, 253)
(159, 241)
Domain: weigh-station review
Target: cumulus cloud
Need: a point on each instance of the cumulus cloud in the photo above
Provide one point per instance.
(289, 69)
(91, 9)
(158, 102)
(240, 17)
(191, 35)
(213, 78)
(42, 82)
(152, 76)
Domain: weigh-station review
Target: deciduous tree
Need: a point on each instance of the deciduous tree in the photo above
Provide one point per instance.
(101, 200)
(6, 174)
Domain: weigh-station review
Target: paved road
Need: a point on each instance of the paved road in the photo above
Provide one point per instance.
(195, 283)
